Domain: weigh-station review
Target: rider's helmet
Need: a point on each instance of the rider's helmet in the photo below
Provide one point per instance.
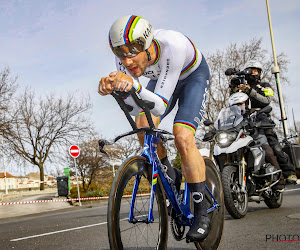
(252, 64)
(241, 100)
(130, 35)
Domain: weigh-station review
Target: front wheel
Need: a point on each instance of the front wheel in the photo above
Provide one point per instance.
(133, 235)
(236, 201)
(275, 200)
(217, 216)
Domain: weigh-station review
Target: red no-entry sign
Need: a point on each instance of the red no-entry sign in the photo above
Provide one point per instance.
(74, 151)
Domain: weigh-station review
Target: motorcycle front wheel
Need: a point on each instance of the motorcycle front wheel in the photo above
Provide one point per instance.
(275, 200)
(236, 202)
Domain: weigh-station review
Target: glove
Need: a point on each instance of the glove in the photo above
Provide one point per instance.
(245, 88)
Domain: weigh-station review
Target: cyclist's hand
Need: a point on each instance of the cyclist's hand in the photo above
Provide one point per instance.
(105, 85)
(115, 81)
(122, 82)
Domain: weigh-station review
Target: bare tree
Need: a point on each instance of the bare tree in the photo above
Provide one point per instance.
(41, 127)
(8, 86)
(126, 147)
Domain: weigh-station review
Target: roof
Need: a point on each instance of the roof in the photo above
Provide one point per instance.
(8, 175)
(33, 175)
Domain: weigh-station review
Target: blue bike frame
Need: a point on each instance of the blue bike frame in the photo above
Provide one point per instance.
(152, 137)
(181, 206)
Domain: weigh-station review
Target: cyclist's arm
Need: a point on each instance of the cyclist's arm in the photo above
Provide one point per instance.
(145, 94)
(173, 58)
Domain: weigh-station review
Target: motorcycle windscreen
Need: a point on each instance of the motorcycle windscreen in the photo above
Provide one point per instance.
(228, 118)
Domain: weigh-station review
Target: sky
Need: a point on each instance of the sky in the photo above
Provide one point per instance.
(61, 46)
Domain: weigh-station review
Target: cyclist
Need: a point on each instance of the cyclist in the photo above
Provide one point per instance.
(260, 95)
(177, 72)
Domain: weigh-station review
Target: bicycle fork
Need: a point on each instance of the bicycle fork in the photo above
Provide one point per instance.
(150, 147)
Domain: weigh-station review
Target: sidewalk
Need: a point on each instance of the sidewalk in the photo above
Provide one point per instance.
(16, 195)
(9, 211)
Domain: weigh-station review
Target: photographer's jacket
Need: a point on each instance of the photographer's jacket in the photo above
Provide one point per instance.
(260, 95)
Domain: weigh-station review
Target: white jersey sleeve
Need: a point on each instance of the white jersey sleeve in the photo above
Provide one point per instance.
(145, 94)
(172, 59)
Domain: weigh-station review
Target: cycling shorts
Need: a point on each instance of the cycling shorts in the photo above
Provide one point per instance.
(191, 95)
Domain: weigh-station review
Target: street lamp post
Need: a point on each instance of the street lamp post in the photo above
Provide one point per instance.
(275, 70)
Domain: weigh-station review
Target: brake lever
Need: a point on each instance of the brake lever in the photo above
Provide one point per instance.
(102, 144)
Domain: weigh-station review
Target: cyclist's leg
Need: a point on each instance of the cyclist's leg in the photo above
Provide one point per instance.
(193, 167)
(141, 121)
(192, 102)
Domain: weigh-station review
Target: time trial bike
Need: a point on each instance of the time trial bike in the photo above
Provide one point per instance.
(137, 213)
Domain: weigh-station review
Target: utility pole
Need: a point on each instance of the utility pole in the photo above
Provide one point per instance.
(275, 70)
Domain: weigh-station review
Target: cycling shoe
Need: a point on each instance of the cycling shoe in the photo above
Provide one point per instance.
(199, 229)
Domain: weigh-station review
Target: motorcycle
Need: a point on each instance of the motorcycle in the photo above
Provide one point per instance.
(238, 151)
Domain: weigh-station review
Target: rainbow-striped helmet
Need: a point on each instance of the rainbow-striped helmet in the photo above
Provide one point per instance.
(131, 30)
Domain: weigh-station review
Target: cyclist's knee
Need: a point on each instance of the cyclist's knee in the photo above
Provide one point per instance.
(184, 139)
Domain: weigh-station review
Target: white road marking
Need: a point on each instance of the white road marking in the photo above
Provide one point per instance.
(290, 190)
(56, 232)
(65, 230)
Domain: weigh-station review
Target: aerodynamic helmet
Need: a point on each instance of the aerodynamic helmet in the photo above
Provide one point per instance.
(130, 35)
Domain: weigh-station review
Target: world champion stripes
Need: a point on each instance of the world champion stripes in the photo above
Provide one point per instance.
(154, 177)
(139, 89)
(164, 100)
(157, 50)
(186, 124)
(193, 62)
(129, 28)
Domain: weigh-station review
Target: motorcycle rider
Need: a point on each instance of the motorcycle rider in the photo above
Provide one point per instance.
(242, 101)
(260, 94)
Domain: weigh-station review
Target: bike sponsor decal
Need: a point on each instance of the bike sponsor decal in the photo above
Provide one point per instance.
(147, 31)
(166, 73)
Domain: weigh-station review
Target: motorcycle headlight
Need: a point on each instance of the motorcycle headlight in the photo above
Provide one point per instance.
(224, 139)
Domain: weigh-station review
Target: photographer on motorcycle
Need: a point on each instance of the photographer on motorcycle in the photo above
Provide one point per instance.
(260, 95)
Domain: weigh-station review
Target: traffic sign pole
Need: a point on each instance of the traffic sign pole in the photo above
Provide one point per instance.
(74, 152)
(77, 181)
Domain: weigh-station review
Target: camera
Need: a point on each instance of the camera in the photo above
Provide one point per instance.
(236, 81)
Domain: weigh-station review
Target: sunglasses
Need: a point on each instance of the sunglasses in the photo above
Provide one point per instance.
(128, 50)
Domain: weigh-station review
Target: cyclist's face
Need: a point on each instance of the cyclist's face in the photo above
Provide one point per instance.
(136, 65)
